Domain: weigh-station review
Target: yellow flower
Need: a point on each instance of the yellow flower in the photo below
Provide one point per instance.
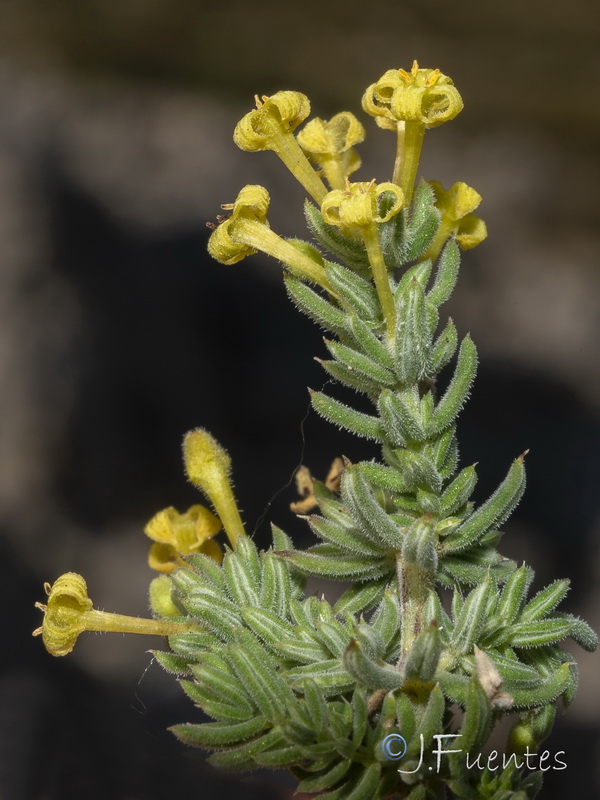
(69, 612)
(250, 206)
(455, 206)
(360, 206)
(280, 113)
(176, 535)
(247, 230)
(425, 96)
(270, 127)
(330, 145)
(409, 103)
(208, 467)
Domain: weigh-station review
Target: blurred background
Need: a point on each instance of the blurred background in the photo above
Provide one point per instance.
(118, 334)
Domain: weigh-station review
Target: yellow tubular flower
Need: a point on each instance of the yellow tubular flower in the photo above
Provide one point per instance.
(455, 206)
(358, 206)
(270, 127)
(176, 535)
(247, 230)
(69, 612)
(329, 144)
(411, 102)
(208, 467)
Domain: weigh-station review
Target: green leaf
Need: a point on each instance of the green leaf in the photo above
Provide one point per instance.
(316, 706)
(208, 569)
(281, 757)
(360, 715)
(533, 634)
(242, 757)
(224, 712)
(373, 520)
(213, 610)
(329, 562)
(401, 415)
(364, 788)
(387, 477)
(515, 672)
(241, 583)
(326, 779)
(514, 592)
(329, 675)
(442, 448)
(447, 274)
(419, 550)
(361, 597)
(411, 335)
(369, 343)
(422, 223)
(349, 377)
(367, 671)
(433, 611)
(582, 633)
(349, 250)
(457, 493)
(549, 691)
(457, 392)
(345, 417)
(471, 568)
(545, 601)
(276, 586)
(334, 636)
(219, 734)
(301, 651)
(477, 721)
(175, 664)
(443, 348)
(431, 721)
(471, 618)
(354, 541)
(214, 673)
(358, 362)
(386, 620)
(493, 512)
(418, 471)
(405, 716)
(267, 625)
(424, 655)
(454, 686)
(360, 295)
(255, 671)
(314, 306)
(192, 645)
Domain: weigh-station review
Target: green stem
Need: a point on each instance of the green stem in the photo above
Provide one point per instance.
(439, 240)
(414, 584)
(107, 622)
(257, 235)
(380, 275)
(292, 155)
(399, 162)
(408, 153)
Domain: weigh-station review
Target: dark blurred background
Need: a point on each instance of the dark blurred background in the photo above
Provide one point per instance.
(118, 334)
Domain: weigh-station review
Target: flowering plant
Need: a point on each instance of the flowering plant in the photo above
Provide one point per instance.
(435, 636)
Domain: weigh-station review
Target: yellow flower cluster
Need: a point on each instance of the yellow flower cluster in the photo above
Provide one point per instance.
(422, 96)
(69, 611)
(406, 102)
